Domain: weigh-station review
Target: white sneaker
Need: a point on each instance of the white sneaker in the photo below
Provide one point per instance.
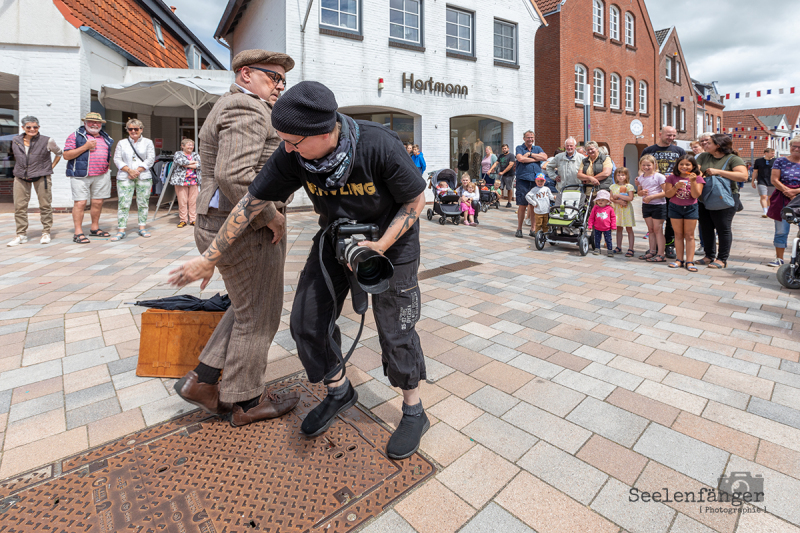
(45, 238)
(19, 239)
(776, 263)
(527, 222)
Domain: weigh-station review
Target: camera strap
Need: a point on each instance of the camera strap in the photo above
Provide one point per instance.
(334, 346)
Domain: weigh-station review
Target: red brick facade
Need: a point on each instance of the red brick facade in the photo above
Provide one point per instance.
(674, 83)
(569, 40)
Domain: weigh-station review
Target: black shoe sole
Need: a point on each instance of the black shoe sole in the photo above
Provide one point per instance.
(412, 452)
(343, 408)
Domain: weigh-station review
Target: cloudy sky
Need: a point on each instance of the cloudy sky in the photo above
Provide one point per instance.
(744, 45)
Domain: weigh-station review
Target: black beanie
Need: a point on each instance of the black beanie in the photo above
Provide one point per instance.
(308, 108)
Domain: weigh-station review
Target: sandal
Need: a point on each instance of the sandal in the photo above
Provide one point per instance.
(691, 268)
(630, 253)
(143, 233)
(704, 261)
(80, 238)
(99, 233)
(657, 259)
(118, 237)
(647, 255)
(676, 264)
(718, 264)
(617, 250)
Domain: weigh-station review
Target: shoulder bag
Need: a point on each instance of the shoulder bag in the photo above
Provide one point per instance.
(717, 193)
(142, 159)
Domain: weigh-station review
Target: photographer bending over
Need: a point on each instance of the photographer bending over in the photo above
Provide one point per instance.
(356, 170)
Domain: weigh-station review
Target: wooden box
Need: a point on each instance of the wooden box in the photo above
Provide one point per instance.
(171, 341)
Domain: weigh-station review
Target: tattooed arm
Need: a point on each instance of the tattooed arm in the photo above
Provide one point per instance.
(203, 267)
(405, 218)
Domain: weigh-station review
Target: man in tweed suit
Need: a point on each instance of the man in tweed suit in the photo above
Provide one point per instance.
(235, 142)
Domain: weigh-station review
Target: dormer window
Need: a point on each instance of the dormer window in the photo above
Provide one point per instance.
(159, 35)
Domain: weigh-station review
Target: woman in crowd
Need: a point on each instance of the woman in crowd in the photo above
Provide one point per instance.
(719, 160)
(696, 147)
(418, 158)
(486, 165)
(133, 157)
(186, 179)
(33, 168)
(786, 180)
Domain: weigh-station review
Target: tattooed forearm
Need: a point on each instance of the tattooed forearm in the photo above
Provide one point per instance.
(406, 217)
(241, 215)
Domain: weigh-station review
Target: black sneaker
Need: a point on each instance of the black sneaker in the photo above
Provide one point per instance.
(508, 204)
(518, 233)
(322, 416)
(404, 442)
(531, 233)
(670, 252)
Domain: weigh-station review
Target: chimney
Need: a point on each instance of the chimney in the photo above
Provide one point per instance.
(173, 8)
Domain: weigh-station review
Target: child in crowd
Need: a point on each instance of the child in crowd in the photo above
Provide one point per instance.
(468, 194)
(683, 188)
(540, 197)
(622, 195)
(603, 220)
(654, 207)
(443, 189)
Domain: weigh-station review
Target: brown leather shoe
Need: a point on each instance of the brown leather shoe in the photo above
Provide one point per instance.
(204, 395)
(269, 406)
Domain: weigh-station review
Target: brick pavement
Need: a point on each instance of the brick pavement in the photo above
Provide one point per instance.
(558, 382)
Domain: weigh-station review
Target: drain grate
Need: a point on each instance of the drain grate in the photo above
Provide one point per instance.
(447, 269)
(198, 474)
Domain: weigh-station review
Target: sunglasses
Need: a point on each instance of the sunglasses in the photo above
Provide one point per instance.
(31, 127)
(271, 74)
(134, 129)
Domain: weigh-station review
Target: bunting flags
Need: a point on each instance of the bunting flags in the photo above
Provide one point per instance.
(769, 92)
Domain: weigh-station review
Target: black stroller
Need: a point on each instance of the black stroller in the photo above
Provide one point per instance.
(447, 205)
(789, 273)
(489, 199)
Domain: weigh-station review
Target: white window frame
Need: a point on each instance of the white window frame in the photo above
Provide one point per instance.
(664, 115)
(674, 117)
(669, 68)
(642, 97)
(683, 119)
(629, 94)
(404, 26)
(340, 27)
(613, 22)
(159, 33)
(598, 88)
(719, 125)
(597, 16)
(458, 25)
(677, 77)
(613, 91)
(630, 28)
(513, 27)
(580, 83)
(197, 58)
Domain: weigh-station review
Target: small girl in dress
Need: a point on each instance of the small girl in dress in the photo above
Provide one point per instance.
(684, 187)
(654, 207)
(467, 196)
(622, 195)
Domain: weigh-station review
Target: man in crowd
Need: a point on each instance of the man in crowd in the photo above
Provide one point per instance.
(235, 142)
(564, 167)
(529, 158)
(354, 170)
(763, 179)
(504, 166)
(88, 151)
(666, 154)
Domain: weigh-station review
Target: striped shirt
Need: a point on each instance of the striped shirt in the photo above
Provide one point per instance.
(98, 158)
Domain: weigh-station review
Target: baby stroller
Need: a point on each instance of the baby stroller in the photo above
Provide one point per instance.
(446, 206)
(568, 221)
(489, 199)
(789, 273)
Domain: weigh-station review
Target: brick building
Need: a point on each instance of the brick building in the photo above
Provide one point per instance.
(710, 106)
(609, 45)
(676, 94)
(780, 125)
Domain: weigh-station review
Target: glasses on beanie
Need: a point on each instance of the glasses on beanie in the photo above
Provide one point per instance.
(31, 127)
(271, 74)
(134, 129)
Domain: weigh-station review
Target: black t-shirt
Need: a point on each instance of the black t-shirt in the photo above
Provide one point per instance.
(382, 180)
(665, 156)
(503, 161)
(764, 169)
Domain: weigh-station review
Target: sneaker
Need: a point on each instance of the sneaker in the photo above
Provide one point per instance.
(509, 204)
(646, 235)
(404, 442)
(518, 234)
(22, 239)
(322, 416)
(531, 233)
(764, 215)
(596, 251)
(527, 222)
(45, 238)
(776, 263)
(670, 252)
(611, 253)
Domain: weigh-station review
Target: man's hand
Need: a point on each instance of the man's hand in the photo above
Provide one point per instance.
(197, 268)
(278, 227)
(753, 183)
(91, 144)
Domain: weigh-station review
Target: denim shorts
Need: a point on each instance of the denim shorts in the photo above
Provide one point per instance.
(687, 212)
(523, 188)
(657, 211)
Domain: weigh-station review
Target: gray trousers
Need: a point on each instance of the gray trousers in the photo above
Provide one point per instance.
(252, 270)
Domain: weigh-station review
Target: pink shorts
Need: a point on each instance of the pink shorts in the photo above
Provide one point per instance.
(467, 208)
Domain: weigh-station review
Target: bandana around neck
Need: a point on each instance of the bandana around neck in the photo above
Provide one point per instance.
(340, 161)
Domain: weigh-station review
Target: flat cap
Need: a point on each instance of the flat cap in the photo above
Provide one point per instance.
(251, 57)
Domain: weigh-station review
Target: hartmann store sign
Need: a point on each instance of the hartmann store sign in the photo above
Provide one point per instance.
(433, 87)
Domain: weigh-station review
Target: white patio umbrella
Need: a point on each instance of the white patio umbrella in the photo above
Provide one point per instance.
(168, 97)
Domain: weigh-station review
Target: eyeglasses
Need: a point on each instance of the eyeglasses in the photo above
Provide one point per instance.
(297, 143)
(271, 74)
(134, 129)
(31, 127)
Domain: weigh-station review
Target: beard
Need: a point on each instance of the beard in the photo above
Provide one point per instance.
(93, 131)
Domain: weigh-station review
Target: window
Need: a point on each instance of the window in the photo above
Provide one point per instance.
(459, 31)
(597, 90)
(683, 119)
(628, 94)
(597, 16)
(664, 115)
(613, 92)
(642, 97)
(197, 58)
(159, 35)
(505, 41)
(613, 22)
(629, 29)
(580, 83)
(404, 20)
(669, 68)
(674, 121)
(719, 124)
(677, 71)
(340, 14)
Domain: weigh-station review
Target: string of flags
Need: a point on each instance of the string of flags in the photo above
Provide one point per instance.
(736, 96)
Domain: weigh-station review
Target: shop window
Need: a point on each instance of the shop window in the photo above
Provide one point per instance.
(642, 97)
(469, 137)
(340, 14)
(405, 20)
(9, 124)
(401, 124)
(628, 94)
(598, 96)
(505, 41)
(459, 31)
(613, 92)
(613, 22)
(629, 37)
(580, 83)
(597, 16)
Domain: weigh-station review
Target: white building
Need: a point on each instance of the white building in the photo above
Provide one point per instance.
(55, 56)
(451, 77)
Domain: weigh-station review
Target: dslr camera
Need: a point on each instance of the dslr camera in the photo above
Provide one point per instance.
(372, 270)
(740, 483)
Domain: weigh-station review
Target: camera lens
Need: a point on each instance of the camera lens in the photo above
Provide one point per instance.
(373, 271)
(369, 271)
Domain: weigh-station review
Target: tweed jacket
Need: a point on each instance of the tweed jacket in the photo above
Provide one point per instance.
(236, 140)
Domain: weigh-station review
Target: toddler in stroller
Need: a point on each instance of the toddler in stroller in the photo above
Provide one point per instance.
(489, 197)
(445, 198)
(568, 220)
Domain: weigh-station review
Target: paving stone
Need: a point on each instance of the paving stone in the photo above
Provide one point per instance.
(374, 393)
(550, 396)
(786, 395)
(535, 366)
(775, 411)
(755, 425)
(477, 475)
(474, 343)
(141, 394)
(499, 352)
(790, 366)
(764, 523)
(611, 422)
(492, 519)
(778, 458)
(500, 437)
(73, 363)
(612, 459)
(389, 522)
(492, 400)
(705, 389)
(502, 376)
(122, 365)
(780, 376)
(613, 376)
(555, 430)
(449, 513)
(744, 383)
(559, 343)
(18, 377)
(585, 384)
(455, 412)
(89, 396)
(642, 304)
(82, 307)
(43, 451)
(684, 524)
(563, 471)
(594, 354)
(95, 343)
(46, 336)
(36, 406)
(128, 379)
(14, 328)
(712, 358)
(672, 396)
(614, 503)
(92, 412)
(166, 408)
(5, 401)
(776, 487)
(641, 405)
(688, 456)
(637, 368)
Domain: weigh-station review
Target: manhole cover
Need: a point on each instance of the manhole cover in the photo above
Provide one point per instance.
(198, 474)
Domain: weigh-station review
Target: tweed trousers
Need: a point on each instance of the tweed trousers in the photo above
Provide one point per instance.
(252, 270)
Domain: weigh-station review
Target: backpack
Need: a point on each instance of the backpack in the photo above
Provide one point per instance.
(717, 193)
